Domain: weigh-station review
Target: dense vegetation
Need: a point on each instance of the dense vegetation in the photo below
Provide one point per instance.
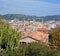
(9, 38)
(35, 49)
(55, 38)
(28, 18)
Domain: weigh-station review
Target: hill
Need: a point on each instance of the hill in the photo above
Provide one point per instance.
(28, 18)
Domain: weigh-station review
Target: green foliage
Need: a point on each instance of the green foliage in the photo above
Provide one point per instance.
(41, 49)
(35, 49)
(9, 38)
(38, 49)
(55, 38)
(32, 49)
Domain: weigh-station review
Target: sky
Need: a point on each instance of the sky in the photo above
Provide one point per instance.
(30, 7)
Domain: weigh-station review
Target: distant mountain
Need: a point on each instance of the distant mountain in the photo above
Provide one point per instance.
(28, 18)
(53, 17)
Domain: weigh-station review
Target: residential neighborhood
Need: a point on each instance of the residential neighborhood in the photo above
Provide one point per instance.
(33, 31)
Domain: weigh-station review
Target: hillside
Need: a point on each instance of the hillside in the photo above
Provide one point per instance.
(28, 18)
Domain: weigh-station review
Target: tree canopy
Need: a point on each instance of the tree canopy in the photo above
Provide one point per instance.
(55, 37)
(8, 36)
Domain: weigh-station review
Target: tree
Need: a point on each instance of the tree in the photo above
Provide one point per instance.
(54, 38)
(35, 49)
(9, 38)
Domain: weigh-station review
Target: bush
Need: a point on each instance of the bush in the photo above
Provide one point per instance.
(32, 49)
(35, 49)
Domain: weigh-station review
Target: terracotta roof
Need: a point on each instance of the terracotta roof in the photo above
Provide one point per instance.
(39, 36)
(35, 35)
(43, 30)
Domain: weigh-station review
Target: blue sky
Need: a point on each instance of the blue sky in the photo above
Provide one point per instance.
(30, 7)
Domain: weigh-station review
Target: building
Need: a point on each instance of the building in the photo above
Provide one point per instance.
(39, 35)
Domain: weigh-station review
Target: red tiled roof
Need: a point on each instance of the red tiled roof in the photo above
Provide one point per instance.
(43, 30)
(41, 35)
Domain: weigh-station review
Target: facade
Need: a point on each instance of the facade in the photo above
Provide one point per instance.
(27, 39)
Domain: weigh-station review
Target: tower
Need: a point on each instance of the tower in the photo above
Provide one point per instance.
(42, 23)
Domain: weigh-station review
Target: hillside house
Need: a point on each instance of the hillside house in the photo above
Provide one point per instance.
(39, 35)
